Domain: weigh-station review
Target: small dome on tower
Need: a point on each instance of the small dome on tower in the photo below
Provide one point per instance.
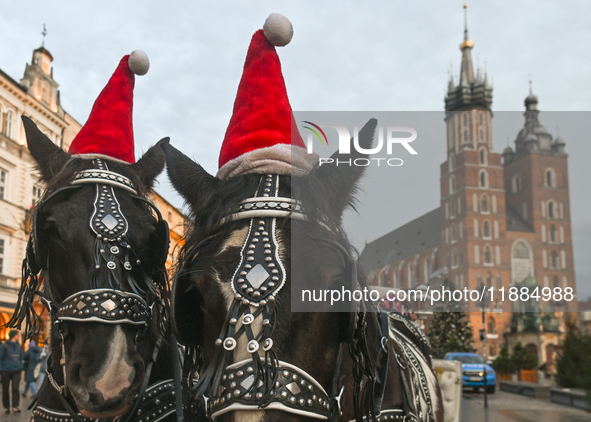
(508, 150)
(558, 141)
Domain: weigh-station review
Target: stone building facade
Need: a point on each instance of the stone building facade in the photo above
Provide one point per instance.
(502, 218)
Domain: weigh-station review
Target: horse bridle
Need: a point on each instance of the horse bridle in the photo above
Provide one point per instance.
(269, 383)
(104, 305)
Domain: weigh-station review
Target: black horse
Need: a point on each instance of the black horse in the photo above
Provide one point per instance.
(96, 257)
(231, 305)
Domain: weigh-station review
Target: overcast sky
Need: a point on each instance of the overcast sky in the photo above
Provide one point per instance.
(345, 55)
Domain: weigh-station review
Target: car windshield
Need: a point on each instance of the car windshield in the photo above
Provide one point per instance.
(469, 358)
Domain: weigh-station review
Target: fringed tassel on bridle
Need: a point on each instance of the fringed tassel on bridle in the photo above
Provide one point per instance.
(24, 309)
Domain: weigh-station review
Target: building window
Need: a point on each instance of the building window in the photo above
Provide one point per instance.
(482, 156)
(496, 229)
(461, 281)
(545, 258)
(550, 178)
(395, 278)
(461, 256)
(521, 261)
(486, 229)
(452, 162)
(492, 328)
(453, 233)
(2, 245)
(543, 233)
(465, 120)
(487, 253)
(499, 281)
(36, 195)
(454, 258)
(9, 122)
(452, 184)
(475, 228)
(555, 282)
(459, 205)
(474, 202)
(552, 234)
(476, 254)
(465, 136)
(494, 204)
(516, 184)
(481, 118)
(447, 235)
(498, 254)
(484, 204)
(427, 269)
(479, 281)
(551, 209)
(3, 179)
(554, 260)
(461, 230)
(483, 179)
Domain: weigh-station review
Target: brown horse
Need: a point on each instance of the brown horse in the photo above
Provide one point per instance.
(257, 240)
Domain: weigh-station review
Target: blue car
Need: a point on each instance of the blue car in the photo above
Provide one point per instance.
(472, 367)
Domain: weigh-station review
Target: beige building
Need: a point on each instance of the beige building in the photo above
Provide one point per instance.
(37, 97)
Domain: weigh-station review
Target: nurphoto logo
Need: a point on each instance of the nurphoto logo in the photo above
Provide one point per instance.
(392, 137)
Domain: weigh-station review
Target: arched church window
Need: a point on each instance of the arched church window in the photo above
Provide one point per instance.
(552, 233)
(487, 252)
(483, 179)
(486, 229)
(482, 156)
(484, 203)
(521, 261)
(550, 178)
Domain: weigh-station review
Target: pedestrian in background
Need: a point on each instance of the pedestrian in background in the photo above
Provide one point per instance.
(42, 363)
(30, 363)
(11, 365)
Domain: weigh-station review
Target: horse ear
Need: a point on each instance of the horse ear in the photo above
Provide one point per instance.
(340, 182)
(49, 157)
(188, 177)
(152, 163)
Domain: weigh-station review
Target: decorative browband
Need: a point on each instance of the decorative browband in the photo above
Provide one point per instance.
(105, 177)
(104, 305)
(158, 402)
(294, 391)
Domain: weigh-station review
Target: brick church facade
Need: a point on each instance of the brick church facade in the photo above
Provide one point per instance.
(502, 219)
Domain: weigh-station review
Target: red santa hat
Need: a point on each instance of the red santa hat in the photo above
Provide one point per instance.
(262, 136)
(108, 131)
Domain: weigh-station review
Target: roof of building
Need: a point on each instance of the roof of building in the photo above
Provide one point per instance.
(516, 223)
(415, 236)
(10, 79)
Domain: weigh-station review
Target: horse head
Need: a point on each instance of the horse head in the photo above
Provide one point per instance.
(256, 236)
(101, 253)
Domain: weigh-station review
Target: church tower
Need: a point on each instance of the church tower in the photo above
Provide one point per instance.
(537, 188)
(473, 194)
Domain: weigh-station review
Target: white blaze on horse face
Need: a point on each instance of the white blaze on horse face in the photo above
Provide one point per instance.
(116, 373)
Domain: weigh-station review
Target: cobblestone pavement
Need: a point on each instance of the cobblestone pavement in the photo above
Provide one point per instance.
(508, 407)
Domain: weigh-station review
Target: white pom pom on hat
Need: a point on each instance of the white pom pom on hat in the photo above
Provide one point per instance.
(139, 63)
(278, 29)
